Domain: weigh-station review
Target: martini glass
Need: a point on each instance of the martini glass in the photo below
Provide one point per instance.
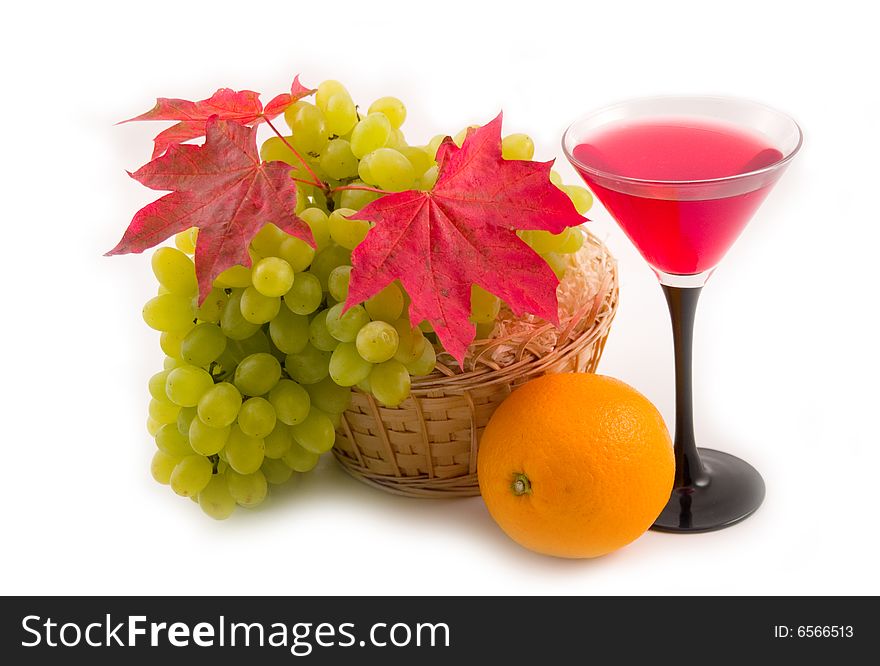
(682, 176)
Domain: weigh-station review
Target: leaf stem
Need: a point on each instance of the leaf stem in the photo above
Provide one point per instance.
(317, 181)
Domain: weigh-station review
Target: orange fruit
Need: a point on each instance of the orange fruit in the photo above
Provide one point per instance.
(575, 465)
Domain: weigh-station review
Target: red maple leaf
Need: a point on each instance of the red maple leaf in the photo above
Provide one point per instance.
(223, 189)
(463, 232)
(242, 106)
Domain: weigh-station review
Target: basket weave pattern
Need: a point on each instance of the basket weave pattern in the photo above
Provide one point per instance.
(427, 446)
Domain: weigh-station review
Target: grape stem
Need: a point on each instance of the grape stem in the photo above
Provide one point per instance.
(365, 188)
(317, 181)
(304, 181)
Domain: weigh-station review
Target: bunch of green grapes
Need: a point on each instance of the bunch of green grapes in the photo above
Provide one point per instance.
(257, 377)
(227, 417)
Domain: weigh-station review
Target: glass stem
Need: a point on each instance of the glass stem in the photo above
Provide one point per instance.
(682, 303)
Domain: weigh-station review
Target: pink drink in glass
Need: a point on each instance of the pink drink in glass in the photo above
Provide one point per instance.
(682, 229)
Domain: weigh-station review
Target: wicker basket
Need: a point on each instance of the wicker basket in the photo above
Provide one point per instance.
(427, 446)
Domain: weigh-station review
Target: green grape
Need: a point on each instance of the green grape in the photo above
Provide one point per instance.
(215, 498)
(364, 385)
(170, 341)
(386, 305)
(434, 144)
(297, 253)
(289, 332)
(364, 171)
(191, 475)
(315, 433)
(300, 459)
(459, 138)
(424, 364)
(232, 322)
(574, 241)
(317, 221)
(328, 259)
(257, 308)
(484, 331)
(255, 344)
(426, 327)
(517, 147)
(170, 363)
(219, 406)
(169, 312)
(328, 396)
(308, 127)
(542, 241)
(203, 345)
(319, 335)
(390, 170)
(555, 178)
(163, 411)
(257, 374)
(340, 115)
(248, 490)
(377, 342)
(212, 308)
(256, 417)
(272, 276)
(234, 277)
(335, 417)
(274, 149)
(187, 384)
(169, 440)
(153, 426)
(347, 232)
(369, 134)
(290, 401)
(344, 326)
(484, 305)
(244, 453)
(267, 241)
(411, 342)
(337, 282)
(397, 140)
(392, 108)
(429, 178)
(205, 440)
(356, 199)
(326, 90)
(558, 262)
(278, 441)
(309, 366)
(338, 160)
(186, 240)
(157, 385)
(185, 418)
(305, 295)
(275, 471)
(277, 353)
(175, 271)
(390, 383)
(347, 367)
(418, 158)
(580, 197)
(162, 466)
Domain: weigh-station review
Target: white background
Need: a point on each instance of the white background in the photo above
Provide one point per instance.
(786, 353)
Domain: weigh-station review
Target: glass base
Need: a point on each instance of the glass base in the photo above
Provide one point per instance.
(732, 492)
(689, 281)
